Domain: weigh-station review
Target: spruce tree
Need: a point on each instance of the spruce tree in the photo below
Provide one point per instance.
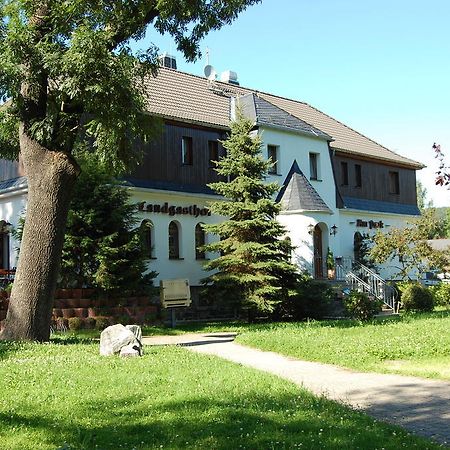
(253, 268)
(102, 246)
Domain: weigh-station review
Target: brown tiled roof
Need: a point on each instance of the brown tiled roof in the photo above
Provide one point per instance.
(181, 96)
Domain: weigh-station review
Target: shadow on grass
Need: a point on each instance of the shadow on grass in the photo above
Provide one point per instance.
(260, 422)
(9, 348)
(266, 326)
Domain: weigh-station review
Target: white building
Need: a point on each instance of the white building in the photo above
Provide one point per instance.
(335, 184)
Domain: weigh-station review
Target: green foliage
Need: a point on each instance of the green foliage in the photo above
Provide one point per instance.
(311, 300)
(75, 323)
(409, 249)
(101, 323)
(89, 323)
(421, 191)
(441, 294)
(331, 264)
(253, 268)
(362, 250)
(102, 246)
(361, 306)
(416, 297)
(73, 78)
(124, 320)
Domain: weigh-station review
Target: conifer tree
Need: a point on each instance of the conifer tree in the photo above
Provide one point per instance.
(102, 246)
(254, 267)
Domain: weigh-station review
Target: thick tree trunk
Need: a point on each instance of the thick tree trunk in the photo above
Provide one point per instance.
(51, 177)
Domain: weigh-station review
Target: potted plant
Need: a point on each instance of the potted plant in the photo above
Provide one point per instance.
(331, 265)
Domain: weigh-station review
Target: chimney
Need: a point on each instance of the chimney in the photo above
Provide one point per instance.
(229, 77)
(166, 60)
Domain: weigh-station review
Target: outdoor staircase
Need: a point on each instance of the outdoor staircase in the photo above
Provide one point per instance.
(361, 278)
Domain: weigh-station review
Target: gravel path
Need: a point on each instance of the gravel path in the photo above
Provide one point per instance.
(419, 405)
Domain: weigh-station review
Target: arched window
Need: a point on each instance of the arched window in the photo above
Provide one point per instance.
(146, 233)
(200, 241)
(174, 241)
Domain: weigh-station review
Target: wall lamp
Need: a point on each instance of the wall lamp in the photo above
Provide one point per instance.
(333, 230)
(310, 228)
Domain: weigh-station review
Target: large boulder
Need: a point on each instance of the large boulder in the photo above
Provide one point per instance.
(116, 337)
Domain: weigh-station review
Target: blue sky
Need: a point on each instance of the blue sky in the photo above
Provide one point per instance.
(380, 67)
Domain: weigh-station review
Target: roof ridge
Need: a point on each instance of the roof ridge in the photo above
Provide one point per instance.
(243, 90)
(357, 132)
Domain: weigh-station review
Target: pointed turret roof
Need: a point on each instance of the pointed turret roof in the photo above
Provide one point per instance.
(298, 193)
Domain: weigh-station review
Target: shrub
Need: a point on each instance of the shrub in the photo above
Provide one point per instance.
(416, 297)
(101, 323)
(441, 294)
(89, 323)
(124, 320)
(75, 323)
(311, 300)
(150, 318)
(361, 306)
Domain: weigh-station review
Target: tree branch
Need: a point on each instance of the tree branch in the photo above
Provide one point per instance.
(122, 34)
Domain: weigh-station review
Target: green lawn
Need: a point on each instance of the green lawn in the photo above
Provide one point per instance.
(414, 344)
(63, 395)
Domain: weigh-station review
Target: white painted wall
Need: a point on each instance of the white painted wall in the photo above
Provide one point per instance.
(188, 266)
(348, 228)
(294, 146)
(298, 224)
(13, 206)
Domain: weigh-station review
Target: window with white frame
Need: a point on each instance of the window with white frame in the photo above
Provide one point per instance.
(272, 155)
(314, 168)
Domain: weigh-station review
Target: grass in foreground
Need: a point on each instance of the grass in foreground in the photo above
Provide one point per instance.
(63, 395)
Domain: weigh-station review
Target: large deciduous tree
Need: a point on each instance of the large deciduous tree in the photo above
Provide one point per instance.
(254, 268)
(73, 82)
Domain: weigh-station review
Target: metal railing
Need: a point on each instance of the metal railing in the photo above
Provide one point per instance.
(366, 280)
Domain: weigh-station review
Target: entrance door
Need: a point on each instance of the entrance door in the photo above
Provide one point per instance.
(318, 253)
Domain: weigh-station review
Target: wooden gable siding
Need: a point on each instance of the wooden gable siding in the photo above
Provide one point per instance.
(162, 157)
(375, 181)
